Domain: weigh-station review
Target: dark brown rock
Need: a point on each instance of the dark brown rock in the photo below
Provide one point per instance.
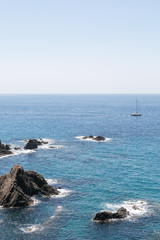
(16, 148)
(91, 136)
(99, 138)
(4, 149)
(105, 216)
(84, 137)
(31, 144)
(18, 186)
(34, 143)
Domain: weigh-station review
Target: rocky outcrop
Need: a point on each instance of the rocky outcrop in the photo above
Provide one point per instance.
(17, 148)
(91, 137)
(34, 143)
(98, 138)
(18, 186)
(105, 216)
(4, 149)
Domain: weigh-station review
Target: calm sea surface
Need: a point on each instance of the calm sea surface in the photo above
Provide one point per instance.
(94, 176)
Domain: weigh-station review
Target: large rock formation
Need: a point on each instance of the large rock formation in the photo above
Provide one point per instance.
(4, 149)
(34, 143)
(98, 138)
(18, 186)
(105, 216)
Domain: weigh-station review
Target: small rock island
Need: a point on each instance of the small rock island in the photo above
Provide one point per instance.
(98, 138)
(34, 143)
(105, 216)
(18, 186)
(4, 149)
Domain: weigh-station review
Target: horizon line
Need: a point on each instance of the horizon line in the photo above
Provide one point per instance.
(79, 93)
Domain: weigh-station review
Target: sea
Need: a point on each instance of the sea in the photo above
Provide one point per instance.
(122, 171)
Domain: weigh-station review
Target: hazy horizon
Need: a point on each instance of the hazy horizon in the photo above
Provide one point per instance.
(80, 47)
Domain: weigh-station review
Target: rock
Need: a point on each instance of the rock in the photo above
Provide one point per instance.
(135, 207)
(4, 149)
(91, 136)
(99, 138)
(31, 144)
(105, 216)
(122, 213)
(18, 186)
(34, 143)
(84, 138)
(16, 148)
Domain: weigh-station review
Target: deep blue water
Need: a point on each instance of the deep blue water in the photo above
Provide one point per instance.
(123, 171)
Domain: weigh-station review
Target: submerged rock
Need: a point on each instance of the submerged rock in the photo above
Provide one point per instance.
(18, 186)
(105, 216)
(34, 143)
(4, 149)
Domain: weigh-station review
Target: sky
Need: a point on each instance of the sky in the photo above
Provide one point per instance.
(79, 46)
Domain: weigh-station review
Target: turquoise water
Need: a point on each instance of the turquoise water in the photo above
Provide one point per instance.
(94, 176)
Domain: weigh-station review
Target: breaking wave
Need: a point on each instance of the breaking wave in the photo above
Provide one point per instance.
(35, 201)
(51, 181)
(63, 193)
(30, 228)
(136, 209)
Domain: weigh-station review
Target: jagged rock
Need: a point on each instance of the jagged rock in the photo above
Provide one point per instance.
(34, 143)
(4, 149)
(105, 216)
(18, 186)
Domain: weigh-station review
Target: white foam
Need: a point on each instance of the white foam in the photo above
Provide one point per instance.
(35, 201)
(63, 193)
(135, 208)
(32, 228)
(1, 220)
(92, 140)
(48, 140)
(51, 181)
(58, 210)
(22, 151)
(18, 152)
(48, 146)
(40, 227)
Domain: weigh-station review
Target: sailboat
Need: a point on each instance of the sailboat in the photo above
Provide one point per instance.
(136, 114)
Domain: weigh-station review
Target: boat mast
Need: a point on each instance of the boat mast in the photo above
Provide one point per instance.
(136, 106)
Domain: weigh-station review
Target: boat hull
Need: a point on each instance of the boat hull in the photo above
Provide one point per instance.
(136, 114)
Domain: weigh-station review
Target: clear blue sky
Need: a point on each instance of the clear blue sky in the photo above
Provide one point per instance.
(80, 46)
